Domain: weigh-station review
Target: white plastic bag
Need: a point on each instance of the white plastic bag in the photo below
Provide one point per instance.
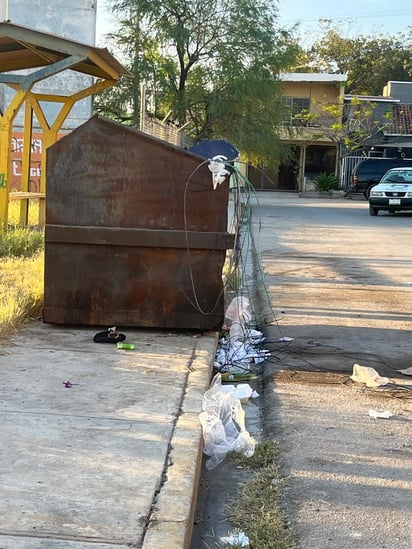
(376, 414)
(364, 374)
(239, 310)
(240, 539)
(223, 424)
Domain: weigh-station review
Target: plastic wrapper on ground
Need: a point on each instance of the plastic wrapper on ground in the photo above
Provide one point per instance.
(369, 376)
(223, 424)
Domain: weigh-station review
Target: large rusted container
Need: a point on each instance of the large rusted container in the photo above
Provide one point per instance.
(135, 233)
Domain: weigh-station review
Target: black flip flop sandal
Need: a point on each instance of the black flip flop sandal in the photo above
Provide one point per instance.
(109, 336)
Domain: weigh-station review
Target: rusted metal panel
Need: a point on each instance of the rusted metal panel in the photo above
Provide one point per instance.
(135, 233)
(132, 286)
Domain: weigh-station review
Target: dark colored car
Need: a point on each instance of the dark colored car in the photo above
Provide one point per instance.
(367, 173)
(393, 193)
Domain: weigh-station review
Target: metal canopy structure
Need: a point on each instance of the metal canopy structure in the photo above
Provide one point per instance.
(22, 49)
(25, 48)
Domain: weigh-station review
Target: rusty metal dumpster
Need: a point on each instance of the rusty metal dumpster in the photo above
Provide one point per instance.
(135, 233)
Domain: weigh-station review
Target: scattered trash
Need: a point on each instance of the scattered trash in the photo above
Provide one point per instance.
(217, 167)
(126, 346)
(375, 414)
(109, 336)
(406, 372)
(223, 424)
(284, 338)
(239, 310)
(242, 391)
(239, 350)
(238, 356)
(239, 539)
(364, 374)
(237, 376)
(236, 332)
(68, 384)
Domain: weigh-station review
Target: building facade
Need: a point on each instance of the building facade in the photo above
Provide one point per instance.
(308, 101)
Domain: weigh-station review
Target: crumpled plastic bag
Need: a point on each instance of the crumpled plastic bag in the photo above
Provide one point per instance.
(217, 167)
(239, 539)
(376, 414)
(223, 424)
(364, 374)
(237, 332)
(242, 391)
(239, 310)
(237, 354)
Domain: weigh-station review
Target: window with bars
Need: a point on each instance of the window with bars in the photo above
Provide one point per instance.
(292, 107)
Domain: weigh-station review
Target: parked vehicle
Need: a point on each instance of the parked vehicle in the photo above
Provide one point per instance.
(367, 173)
(393, 193)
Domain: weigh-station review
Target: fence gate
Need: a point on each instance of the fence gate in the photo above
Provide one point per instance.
(346, 167)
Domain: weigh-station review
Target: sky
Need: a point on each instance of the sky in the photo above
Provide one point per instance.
(351, 16)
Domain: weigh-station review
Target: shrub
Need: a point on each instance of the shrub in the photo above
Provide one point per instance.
(20, 242)
(326, 182)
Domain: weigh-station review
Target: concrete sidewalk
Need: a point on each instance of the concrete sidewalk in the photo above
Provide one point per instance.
(113, 460)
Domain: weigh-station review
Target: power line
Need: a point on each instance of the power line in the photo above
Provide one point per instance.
(354, 16)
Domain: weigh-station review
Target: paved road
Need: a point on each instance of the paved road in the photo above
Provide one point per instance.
(345, 276)
(340, 284)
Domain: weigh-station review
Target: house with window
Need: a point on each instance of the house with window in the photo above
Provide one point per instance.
(309, 113)
(395, 139)
(387, 130)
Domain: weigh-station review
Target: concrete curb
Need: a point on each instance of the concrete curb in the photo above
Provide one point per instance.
(325, 194)
(171, 523)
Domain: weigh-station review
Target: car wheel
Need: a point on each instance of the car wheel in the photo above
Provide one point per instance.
(391, 211)
(373, 211)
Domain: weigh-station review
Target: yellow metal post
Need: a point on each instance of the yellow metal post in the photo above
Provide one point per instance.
(26, 162)
(49, 137)
(6, 126)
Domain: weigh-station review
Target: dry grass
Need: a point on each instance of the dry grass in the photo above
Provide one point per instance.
(21, 291)
(21, 274)
(33, 213)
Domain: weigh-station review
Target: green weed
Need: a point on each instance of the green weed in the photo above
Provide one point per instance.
(21, 242)
(257, 508)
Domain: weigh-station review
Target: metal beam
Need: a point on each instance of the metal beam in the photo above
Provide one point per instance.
(144, 238)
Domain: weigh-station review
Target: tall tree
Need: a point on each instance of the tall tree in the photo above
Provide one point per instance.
(369, 61)
(213, 64)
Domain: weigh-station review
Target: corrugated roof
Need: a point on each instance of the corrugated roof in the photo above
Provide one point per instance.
(402, 121)
(371, 98)
(25, 48)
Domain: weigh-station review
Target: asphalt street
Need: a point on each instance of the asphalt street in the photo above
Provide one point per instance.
(340, 285)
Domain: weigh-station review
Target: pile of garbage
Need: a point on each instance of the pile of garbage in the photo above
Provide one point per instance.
(223, 418)
(239, 349)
